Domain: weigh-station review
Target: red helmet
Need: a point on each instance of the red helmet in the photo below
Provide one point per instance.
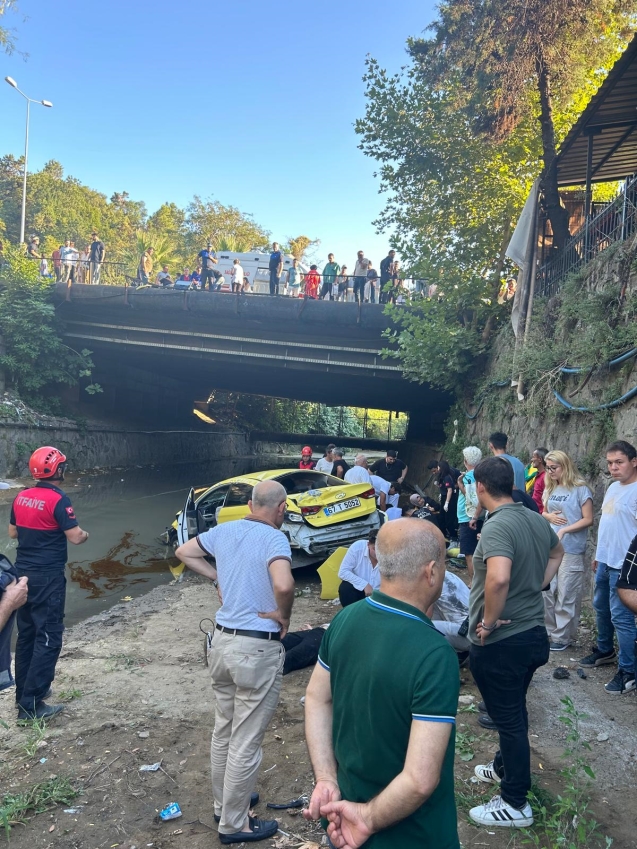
(307, 450)
(45, 461)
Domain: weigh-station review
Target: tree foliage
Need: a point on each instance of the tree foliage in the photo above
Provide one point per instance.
(299, 246)
(7, 34)
(523, 58)
(210, 221)
(453, 192)
(452, 198)
(34, 358)
(59, 207)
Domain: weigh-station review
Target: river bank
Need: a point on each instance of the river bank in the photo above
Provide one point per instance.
(138, 693)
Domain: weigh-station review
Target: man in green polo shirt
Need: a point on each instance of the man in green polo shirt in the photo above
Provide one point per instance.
(518, 554)
(380, 723)
(330, 271)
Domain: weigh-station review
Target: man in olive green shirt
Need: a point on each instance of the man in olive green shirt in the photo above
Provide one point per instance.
(518, 554)
(380, 722)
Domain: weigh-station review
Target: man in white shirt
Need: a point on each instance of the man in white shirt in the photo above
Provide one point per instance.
(68, 268)
(327, 460)
(237, 276)
(617, 527)
(382, 487)
(361, 268)
(359, 572)
(252, 568)
(358, 473)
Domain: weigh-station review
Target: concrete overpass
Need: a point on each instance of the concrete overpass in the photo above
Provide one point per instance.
(156, 351)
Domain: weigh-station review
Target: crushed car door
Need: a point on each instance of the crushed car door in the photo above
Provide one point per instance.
(187, 522)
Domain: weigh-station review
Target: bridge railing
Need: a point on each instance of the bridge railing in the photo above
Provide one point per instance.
(346, 288)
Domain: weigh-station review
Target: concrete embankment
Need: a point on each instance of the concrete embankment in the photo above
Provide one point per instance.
(105, 446)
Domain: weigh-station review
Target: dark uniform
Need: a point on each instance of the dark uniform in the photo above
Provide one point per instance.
(41, 515)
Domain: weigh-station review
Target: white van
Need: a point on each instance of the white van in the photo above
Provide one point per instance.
(256, 267)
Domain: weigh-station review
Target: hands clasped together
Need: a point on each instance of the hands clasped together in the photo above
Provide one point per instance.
(348, 822)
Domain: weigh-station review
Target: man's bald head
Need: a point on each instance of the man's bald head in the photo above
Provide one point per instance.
(268, 502)
(361, 460)
(404, 546)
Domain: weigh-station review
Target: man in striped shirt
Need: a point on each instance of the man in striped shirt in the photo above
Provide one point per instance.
(384, 774)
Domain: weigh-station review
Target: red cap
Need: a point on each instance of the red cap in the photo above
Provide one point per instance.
(307, 450)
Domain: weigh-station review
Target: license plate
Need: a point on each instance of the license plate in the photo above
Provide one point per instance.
(342, 505)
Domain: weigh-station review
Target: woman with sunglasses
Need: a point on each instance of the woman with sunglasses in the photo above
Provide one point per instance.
(568, 506)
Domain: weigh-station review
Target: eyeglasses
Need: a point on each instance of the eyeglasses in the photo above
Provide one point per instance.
(553, 468)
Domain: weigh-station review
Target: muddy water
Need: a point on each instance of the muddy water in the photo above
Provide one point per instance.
(125, 511)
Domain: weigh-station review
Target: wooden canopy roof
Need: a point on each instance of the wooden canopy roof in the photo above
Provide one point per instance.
(602, 145)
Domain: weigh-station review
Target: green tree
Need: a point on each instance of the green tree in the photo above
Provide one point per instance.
(7, 34)
(212, 221)
(168, 219)
(452, 198)
(516, 59)
(165, 251)
(299, 246)
(35, 359)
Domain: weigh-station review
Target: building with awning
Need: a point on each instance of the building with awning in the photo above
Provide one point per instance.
(601, 147)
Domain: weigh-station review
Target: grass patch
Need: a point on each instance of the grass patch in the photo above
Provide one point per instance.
(36, 799)
(69, 695)
(469, 794)
(36, 733)
(124, 661)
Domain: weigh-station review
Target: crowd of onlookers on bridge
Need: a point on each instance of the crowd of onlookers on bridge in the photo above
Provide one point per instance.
(364, 282)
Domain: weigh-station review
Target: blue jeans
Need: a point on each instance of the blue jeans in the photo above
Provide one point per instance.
(613, 618)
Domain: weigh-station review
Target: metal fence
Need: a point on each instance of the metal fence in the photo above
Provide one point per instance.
(615, 222)
(345, 288)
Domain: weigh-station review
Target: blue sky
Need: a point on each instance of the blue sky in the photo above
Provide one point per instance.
(247, 103)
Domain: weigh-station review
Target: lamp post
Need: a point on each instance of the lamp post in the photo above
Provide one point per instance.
(29, 101)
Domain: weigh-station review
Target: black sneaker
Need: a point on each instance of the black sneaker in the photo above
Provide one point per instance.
(41, 711)
(254, 800)
(261, 830)
(623, 682)
(485, 721)
(482, 707)
(599, 658)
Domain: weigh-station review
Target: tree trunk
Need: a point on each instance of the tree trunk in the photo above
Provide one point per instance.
(557, 214)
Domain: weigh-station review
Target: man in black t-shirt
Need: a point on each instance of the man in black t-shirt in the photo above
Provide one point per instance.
(275, 266)
(424, 508)
(340, 465)
(386, 268)
(391, 468)
(42, 520)
(208, 259)
(96, 258)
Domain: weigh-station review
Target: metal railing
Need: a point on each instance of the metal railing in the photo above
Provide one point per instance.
(615, 222)
(348, 289)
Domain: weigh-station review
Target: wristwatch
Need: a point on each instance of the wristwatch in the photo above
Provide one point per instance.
(486, 627)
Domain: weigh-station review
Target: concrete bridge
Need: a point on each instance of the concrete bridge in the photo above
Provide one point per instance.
(156, 351)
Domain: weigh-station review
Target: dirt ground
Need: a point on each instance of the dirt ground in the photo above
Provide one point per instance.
(141, 694)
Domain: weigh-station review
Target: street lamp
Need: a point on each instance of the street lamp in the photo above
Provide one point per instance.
(29, 101)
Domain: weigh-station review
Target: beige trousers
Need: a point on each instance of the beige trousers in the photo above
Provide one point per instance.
(563, 601)
(246, 680)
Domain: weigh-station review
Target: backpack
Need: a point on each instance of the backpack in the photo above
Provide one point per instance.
(472, 505)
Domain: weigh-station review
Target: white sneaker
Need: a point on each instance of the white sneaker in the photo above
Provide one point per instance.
(486, 772)
(497, 812)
